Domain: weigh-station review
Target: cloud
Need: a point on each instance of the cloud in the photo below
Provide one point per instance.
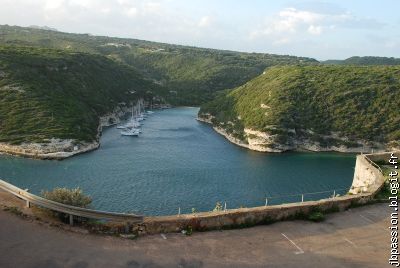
(131, 12)
(205, 21)
(292, 20)
(316, 30)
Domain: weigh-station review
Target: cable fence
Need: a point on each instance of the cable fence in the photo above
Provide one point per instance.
(271, 200)
(303, 197)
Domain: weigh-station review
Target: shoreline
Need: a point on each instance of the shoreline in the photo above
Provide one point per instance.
(19, 151)
(223, 133)
(305, 148)
(59, 149)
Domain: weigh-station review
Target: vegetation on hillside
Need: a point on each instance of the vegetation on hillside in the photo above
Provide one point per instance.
(47, 93)
(190, 74)
(358, 102)
(367, 60)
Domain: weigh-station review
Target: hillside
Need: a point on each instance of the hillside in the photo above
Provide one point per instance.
(340, 108)
(47, 93)
(367, 60)
(192, 75)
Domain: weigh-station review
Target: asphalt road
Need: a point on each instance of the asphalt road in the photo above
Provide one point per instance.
(355, 238)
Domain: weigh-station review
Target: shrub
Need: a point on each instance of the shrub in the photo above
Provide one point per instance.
(74, 197)
(218, 207)
(316, 216)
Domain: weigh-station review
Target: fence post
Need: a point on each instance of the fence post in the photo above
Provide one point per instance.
(179, 211)
(302, 198)
(71, 219)
(225, 206)
(334, 193)
(266, 201)
(127, 227)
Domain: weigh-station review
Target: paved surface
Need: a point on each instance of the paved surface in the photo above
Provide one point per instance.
(356, 238)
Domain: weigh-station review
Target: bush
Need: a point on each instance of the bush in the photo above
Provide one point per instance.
(73, 197)
(316, 216)
(218, 207)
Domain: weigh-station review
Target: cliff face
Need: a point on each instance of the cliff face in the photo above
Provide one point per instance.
(267, 142)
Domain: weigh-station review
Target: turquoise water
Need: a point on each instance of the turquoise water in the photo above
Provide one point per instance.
(179, 162)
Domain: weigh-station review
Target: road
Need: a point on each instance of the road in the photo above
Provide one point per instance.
(355, 238)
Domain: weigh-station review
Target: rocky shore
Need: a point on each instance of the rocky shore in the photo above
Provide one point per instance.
(264, 142)
(56, 149)
(59, 149)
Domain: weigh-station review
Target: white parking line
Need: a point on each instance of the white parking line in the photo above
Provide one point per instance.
(300, 251)
(371, 221)
(365, 218)
(350, 242)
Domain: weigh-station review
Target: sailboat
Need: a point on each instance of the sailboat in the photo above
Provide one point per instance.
(132, 127)
(133, 123)
(130, 132)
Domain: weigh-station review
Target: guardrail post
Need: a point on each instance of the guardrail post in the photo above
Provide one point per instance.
(27, 204)
(71, 219)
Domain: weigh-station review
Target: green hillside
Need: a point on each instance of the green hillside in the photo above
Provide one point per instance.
(367, 60)
(192, 75)
(47, 93)
(310, 102)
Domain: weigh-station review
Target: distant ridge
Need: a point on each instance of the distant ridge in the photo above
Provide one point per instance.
(366, 60)
(195, 74)
(46, 28)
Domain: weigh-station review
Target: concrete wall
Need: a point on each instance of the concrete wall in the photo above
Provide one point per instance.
(367, 176)
(245, 217)
(367, 182)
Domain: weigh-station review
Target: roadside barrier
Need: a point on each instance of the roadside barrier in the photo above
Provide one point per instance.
(70, 210)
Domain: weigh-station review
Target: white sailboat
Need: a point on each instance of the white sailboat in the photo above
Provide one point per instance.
(130, 132)
(133, 123)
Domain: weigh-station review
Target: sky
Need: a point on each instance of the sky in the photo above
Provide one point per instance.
(319, 29)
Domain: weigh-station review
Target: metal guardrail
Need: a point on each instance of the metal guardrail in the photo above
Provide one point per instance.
(70, 210)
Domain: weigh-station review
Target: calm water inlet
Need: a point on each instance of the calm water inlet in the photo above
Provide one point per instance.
(179, 162)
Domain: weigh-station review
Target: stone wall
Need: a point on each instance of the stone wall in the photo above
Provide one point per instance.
(246, 217)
